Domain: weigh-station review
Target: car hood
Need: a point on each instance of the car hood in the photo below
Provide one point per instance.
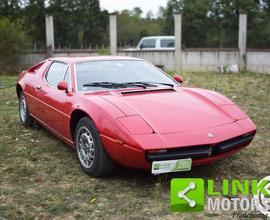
(169, 111)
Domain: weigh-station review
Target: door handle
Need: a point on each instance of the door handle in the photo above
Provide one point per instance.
(38, 87)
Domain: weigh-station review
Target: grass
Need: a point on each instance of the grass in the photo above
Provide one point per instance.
(41, 176)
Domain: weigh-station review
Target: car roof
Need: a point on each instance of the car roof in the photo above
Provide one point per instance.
(159, 37)
(92, 58)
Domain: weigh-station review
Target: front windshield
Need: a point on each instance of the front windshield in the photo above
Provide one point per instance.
(117, 71)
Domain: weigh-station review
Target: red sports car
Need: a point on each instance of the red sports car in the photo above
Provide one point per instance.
(125, 110)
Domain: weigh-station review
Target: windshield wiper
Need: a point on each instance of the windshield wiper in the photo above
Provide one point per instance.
(164, 84)
(150, 84)
(126, 84)
(114, 85)
(141, 84)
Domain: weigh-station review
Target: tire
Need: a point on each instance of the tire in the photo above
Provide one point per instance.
(93, 158)
(25, 117)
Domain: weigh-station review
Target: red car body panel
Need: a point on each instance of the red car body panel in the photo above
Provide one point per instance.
(135, 122)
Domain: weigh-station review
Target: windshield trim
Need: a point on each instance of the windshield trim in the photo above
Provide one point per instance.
(107, 89)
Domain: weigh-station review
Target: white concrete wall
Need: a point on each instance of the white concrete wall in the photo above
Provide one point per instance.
(258, 61)
(208, 59)
(159, 58)
(75, 53)
(29, 59)
(192, 59)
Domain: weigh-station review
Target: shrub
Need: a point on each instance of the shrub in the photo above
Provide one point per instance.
(12, 42)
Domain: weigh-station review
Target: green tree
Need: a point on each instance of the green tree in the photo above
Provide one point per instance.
(214, 23)
(132, 28)
(137, 11)
(195, 22)
(79, 22)
(10, 8)
(172, 7)
(34, 21)
(149, 15)
(13, 41)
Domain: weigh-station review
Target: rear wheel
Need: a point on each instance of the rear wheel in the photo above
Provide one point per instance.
(93, 157)
(25, 117)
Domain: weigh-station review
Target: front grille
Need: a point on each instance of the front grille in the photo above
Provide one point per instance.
(180, 153)
(233, 143)
(201, 151)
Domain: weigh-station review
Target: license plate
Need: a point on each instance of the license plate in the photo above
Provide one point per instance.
(168, 166)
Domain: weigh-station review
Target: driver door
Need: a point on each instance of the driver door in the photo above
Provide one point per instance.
(52, 107)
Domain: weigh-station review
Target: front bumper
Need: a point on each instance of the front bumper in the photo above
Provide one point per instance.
(197, 145)
(203, 151)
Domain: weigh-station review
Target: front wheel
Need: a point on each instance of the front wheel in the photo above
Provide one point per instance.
(93, 157)
(25, 117)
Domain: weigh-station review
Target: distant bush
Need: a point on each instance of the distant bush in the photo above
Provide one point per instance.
(13, 41)
(104, 51)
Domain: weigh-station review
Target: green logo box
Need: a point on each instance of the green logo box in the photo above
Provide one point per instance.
(187, 195)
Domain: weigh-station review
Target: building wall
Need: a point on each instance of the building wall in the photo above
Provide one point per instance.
(192, 59)
(258, 61)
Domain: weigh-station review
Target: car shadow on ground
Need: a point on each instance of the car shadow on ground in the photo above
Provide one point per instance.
(209, 171)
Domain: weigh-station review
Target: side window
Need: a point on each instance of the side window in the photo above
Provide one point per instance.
(68, 80)
(148, 43)
(167, 43)
(56, 73)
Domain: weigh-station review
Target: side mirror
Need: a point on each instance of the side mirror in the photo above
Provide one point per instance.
(178, 78)
(62, 85)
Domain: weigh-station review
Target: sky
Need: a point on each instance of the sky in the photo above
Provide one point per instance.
(145, 5)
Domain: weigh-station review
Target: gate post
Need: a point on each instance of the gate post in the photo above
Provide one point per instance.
(113, 33)
(178, 40)
(49, 36)
(242, 41)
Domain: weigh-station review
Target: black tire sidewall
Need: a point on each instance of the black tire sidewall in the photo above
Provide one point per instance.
(100, 153)
(28, 119)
